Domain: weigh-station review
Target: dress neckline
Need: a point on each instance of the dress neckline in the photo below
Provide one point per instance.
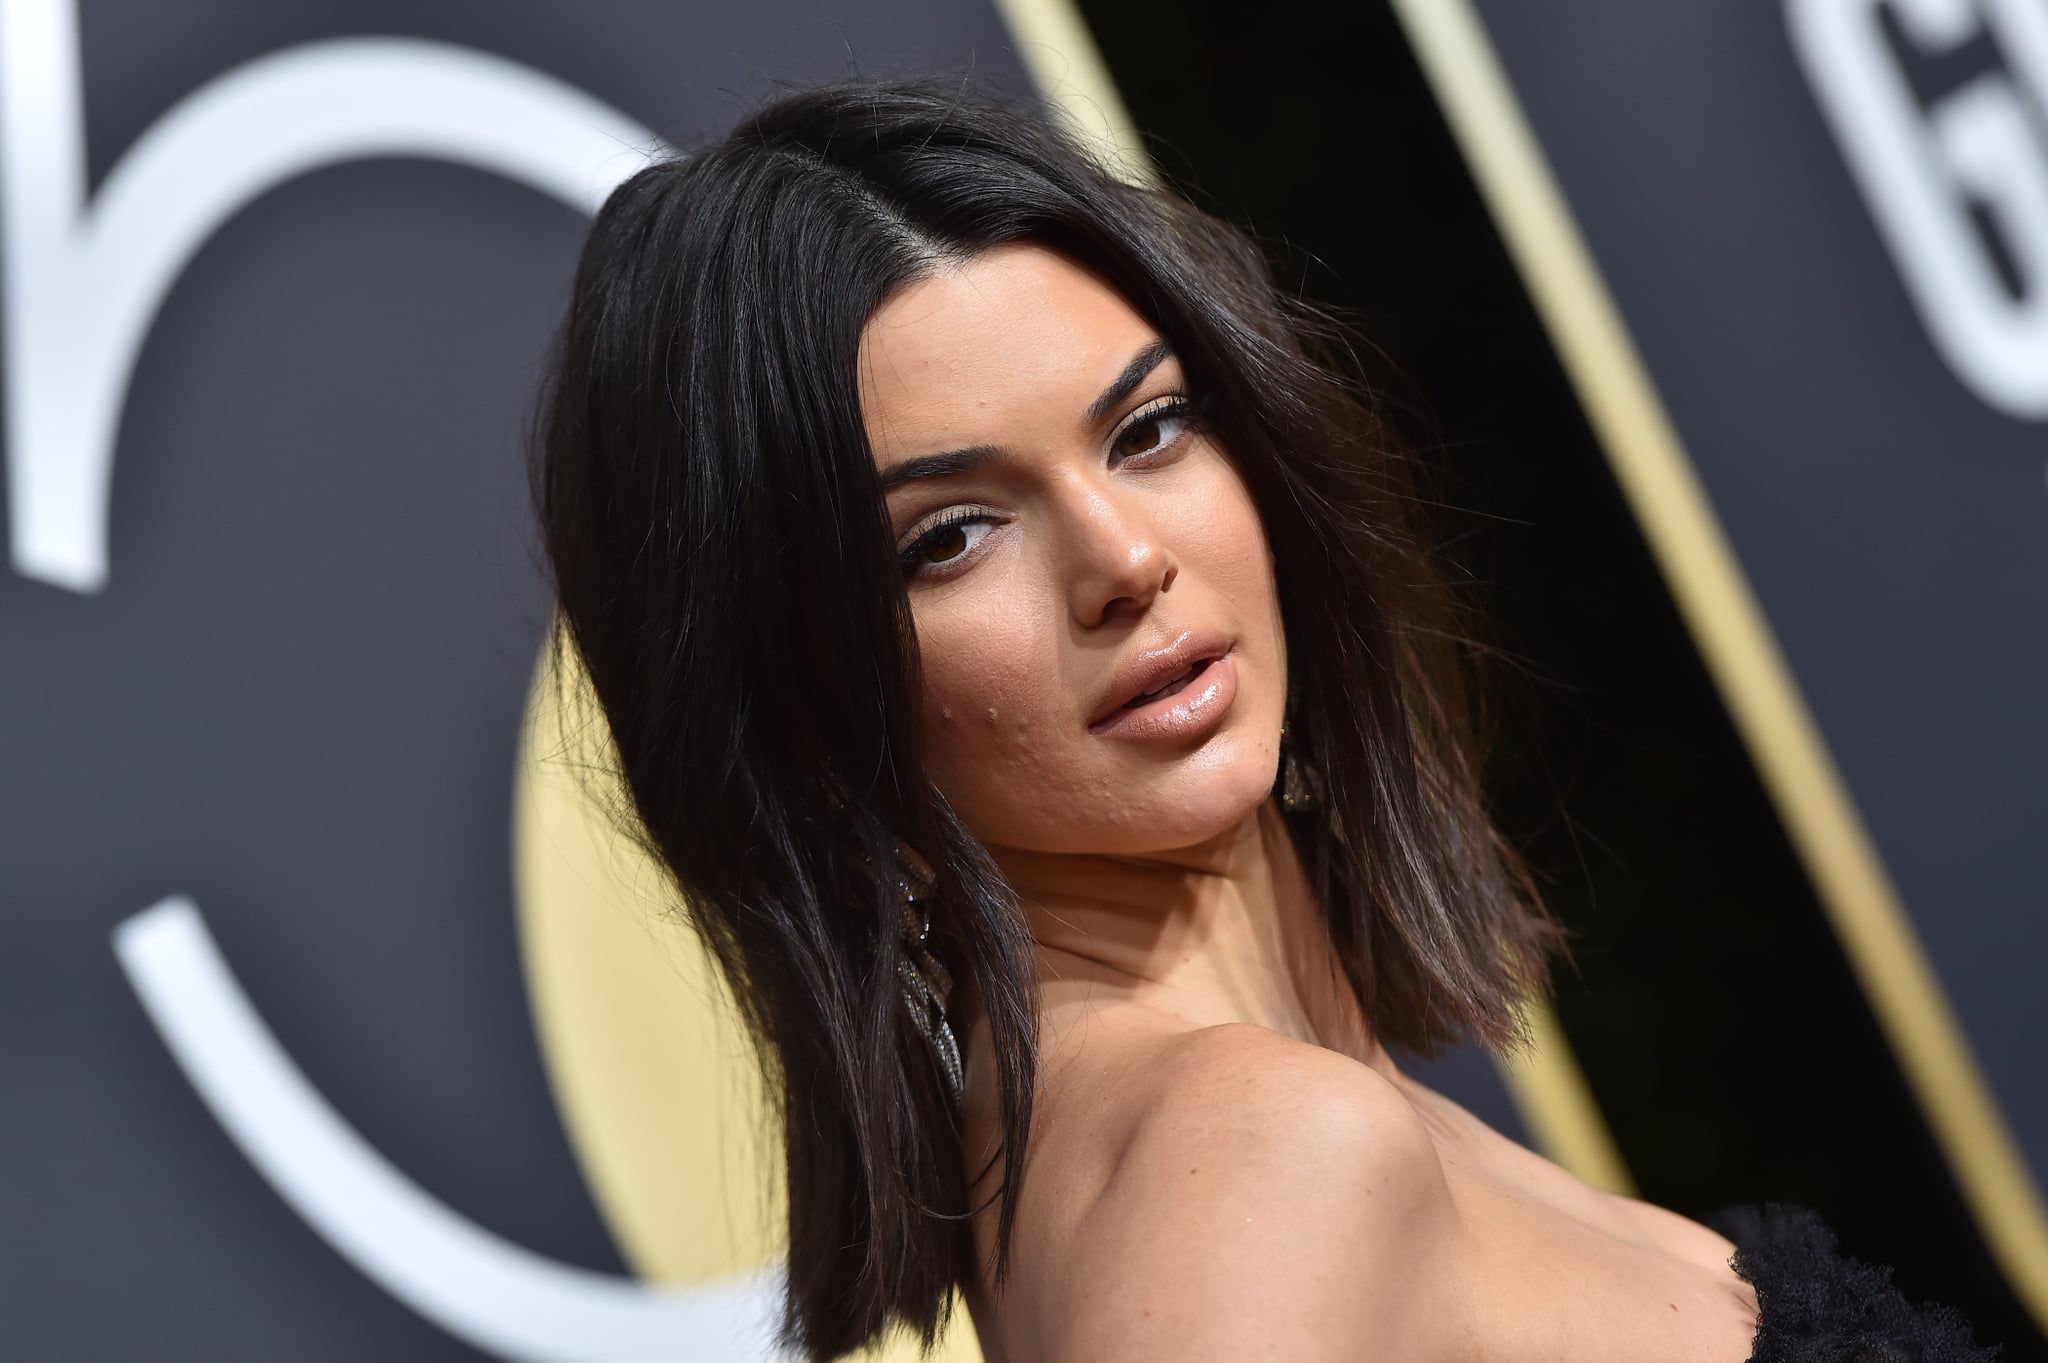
(1816, 1304)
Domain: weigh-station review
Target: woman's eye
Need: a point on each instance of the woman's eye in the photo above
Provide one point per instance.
(1152, 431)
(948, 542)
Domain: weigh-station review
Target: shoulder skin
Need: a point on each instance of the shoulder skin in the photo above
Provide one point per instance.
(1273, 1200)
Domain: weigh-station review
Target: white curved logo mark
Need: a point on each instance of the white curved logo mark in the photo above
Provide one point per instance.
(83, 281)
(499, 1297)
(1924, 170)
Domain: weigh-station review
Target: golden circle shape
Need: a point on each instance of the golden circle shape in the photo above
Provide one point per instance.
(652, 1073)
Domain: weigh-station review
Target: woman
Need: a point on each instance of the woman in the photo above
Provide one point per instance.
(1023, 646)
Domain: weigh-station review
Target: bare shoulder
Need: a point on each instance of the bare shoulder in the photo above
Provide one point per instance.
(1269, 1199)
(1296, 1111)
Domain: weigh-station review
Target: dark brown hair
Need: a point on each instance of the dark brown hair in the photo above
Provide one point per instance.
(720, 547)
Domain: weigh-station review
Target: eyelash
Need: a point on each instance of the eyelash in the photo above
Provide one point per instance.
(1192, 411)
(948, 520)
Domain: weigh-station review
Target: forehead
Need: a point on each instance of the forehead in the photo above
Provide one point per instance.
(984, 348)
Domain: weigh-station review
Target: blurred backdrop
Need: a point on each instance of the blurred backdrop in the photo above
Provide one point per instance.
(337, 1027)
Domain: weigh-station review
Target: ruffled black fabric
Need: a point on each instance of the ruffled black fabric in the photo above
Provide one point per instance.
(1817, 1305)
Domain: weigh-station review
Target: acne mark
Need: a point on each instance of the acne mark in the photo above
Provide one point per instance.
(945, 712)
(1673, 1305)
(1191, 1171)
(991, 714)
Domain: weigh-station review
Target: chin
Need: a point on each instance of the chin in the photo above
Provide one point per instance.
(1202, 797)
(1134, 804)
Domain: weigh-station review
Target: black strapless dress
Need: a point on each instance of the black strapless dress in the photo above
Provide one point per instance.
(1817, 1305)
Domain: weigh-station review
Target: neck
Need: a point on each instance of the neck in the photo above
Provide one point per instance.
(1226, 930)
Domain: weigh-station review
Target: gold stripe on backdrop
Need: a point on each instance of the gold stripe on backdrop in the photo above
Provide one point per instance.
(1558, 1108)
(1547, 1086)
(1726, 621)
(1067, 67)
(657, 1085)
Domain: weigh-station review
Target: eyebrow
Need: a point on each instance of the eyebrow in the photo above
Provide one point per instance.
(1142, 363)
(971, 457)
(940, 465)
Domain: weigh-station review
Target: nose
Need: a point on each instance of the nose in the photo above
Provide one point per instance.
(1120, 562)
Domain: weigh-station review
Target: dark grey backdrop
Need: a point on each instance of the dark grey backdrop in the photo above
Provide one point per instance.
(298, 699)
(1894, 527)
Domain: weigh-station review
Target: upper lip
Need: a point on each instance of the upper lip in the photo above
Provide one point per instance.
(1152, 668)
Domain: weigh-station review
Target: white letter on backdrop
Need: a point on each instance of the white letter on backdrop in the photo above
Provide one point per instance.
(1921, 170)
(83, 280)
(501, 1298)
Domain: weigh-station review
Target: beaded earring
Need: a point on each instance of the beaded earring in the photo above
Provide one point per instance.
(927, 984)
(1301, 785)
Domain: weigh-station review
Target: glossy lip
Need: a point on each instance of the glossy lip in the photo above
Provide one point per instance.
(1187, 712)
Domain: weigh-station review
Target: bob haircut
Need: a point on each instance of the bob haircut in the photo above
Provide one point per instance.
(726, 572)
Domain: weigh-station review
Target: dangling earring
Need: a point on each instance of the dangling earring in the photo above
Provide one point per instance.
(927, 984)
(1301, 785)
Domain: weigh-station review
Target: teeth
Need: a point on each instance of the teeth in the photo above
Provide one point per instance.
(1171, 682)
(1168, 684)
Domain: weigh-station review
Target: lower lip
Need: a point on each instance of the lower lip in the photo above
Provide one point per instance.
(1194, 711)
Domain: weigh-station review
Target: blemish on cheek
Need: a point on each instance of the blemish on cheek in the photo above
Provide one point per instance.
(991, 714)
(945, 712)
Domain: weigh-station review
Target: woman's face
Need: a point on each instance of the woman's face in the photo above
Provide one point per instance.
(1071, 539)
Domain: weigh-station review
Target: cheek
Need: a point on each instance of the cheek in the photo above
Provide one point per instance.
(1235, 554)
(994, 709)
(1222, 540)
(1005, 691)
